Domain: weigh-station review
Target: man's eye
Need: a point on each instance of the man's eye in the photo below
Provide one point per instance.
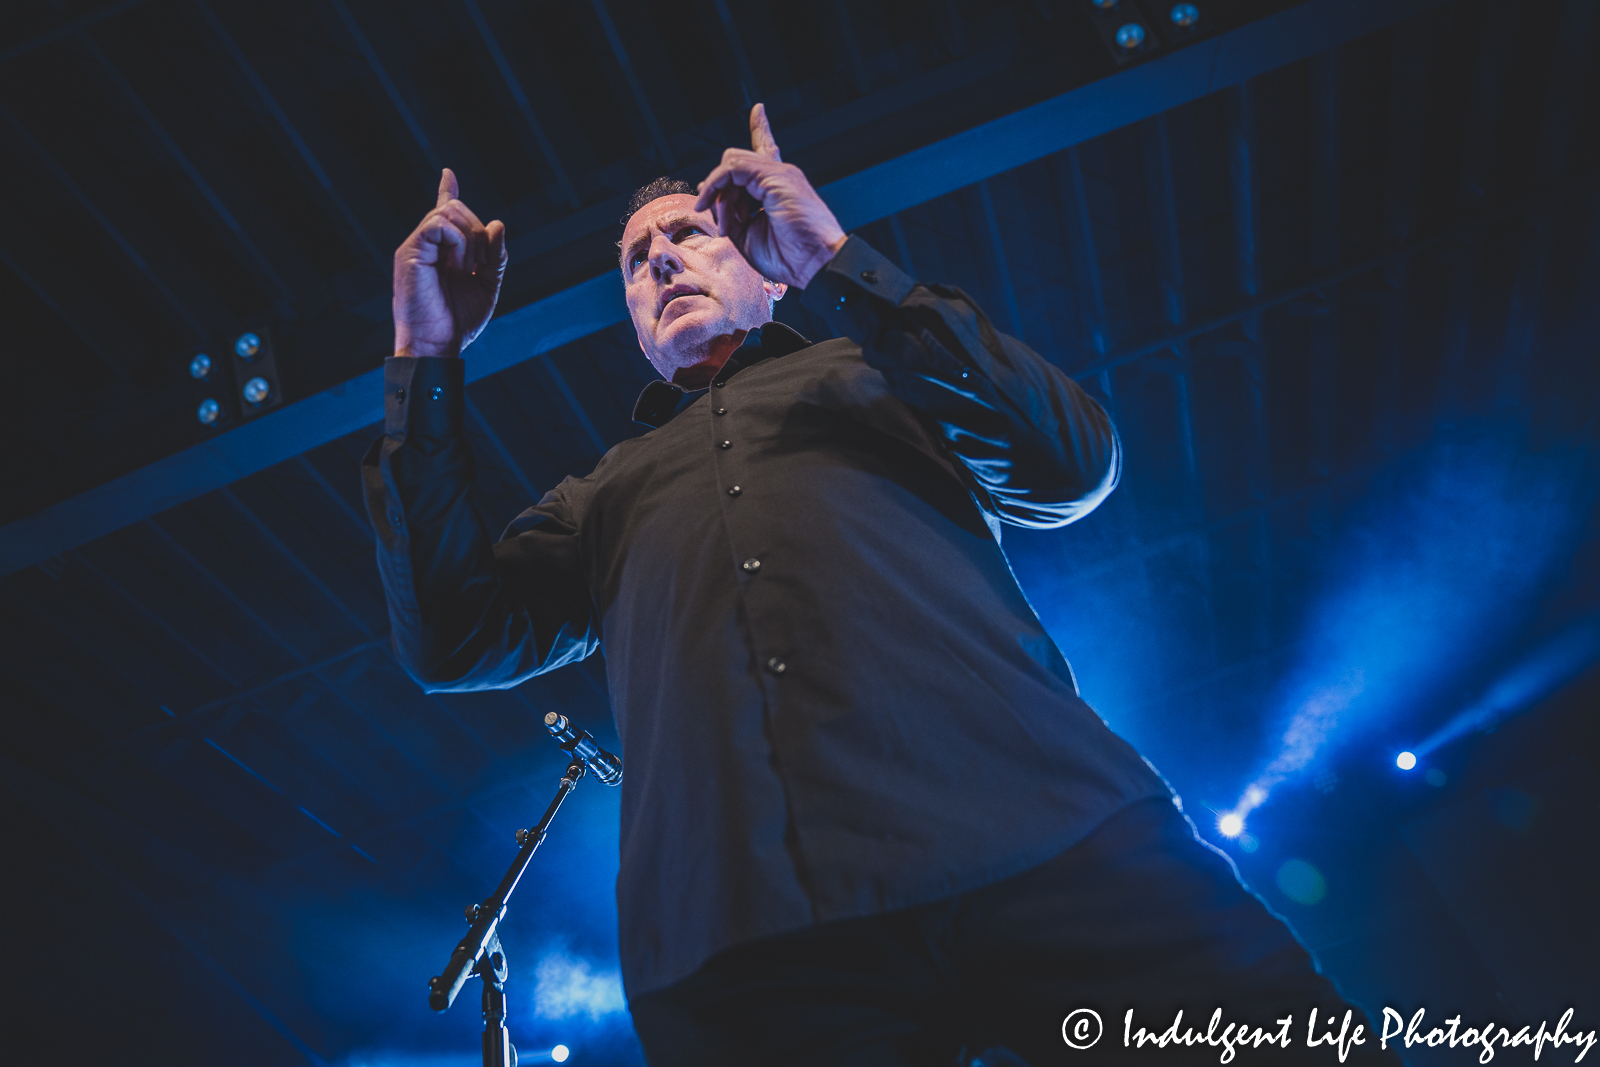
(688, 231)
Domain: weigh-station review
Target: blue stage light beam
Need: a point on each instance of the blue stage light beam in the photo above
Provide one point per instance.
(1536, 675)
(1442, 573)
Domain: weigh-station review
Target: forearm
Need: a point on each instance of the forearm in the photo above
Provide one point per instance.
(1040, 447)
(462, 617)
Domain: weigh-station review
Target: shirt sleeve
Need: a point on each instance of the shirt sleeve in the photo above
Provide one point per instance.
(1038, 447)
(465, 612)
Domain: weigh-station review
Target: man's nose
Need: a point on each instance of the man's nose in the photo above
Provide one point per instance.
(664, 258)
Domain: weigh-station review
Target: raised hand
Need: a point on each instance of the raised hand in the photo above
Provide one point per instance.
(769, 210)
(446, 277)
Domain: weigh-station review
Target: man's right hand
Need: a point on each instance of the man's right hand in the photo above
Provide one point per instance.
(446, 277)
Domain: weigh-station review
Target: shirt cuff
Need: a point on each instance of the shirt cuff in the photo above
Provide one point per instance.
(424, 396)
(855, 289)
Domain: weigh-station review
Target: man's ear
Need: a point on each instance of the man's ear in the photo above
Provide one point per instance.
(775, 290)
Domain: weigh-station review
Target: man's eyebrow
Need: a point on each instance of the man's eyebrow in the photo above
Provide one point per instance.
(667, 226)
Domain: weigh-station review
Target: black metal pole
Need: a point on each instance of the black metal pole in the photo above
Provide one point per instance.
(485, 919)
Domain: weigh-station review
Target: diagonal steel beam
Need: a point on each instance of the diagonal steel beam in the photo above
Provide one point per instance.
(1002, 268)
(852, 48)
(59, 175)
(1486, 101)
(390, 89)
(1068, 169)
(1408, 77)
(253, 254)
(52, 802)
(340, 211)
(70, 321)
(640, 100)
(514, 87)
(1325, 196)
(750, 91)
(955, 162)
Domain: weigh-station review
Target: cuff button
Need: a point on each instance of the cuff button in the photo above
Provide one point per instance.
(870, 277)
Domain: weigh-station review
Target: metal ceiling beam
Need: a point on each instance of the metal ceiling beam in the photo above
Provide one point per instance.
(72, 322)
(1325, 211)
(1002, 268)
(749, 90)
(1558, 121)
(958, 161)
(340, 211)
(1481, 138)
(252, 253)
(63, 180)
(1408, 104)
(1091, 293)
(640, 100)
(520, 98)
(390, 89)
(66, 811)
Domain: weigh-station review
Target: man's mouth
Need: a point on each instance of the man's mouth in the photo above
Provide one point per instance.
(675, 292)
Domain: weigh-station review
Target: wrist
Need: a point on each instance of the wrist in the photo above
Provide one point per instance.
(404, 349)
(824, 256)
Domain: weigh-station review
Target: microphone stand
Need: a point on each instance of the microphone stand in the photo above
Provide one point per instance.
(480, 954)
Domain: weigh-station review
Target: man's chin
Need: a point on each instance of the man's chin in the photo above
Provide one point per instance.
(683, 341)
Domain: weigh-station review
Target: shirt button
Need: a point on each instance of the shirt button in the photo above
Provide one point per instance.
(965, 373)
(724, 445)
(776, 665)
(752, 565)
(396, 520)
(400, 395)
(734, 490)
(438, 392)
(870, 277)
(720, 411)
(844, 298)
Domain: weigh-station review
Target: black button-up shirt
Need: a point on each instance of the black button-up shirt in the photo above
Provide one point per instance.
(833, 698)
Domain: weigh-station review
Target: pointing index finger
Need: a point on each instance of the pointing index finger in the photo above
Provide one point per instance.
(448, 188)
(761, 139)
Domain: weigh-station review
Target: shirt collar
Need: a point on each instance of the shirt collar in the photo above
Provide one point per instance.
(662, 400)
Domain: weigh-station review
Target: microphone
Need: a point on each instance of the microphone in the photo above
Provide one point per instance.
(578, 742)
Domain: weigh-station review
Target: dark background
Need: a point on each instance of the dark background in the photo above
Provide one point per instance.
(1346, 314)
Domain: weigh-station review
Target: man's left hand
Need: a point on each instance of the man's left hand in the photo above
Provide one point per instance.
(769, 210)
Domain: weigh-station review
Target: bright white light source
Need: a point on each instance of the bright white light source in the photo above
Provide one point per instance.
(560, 1053)
(1231, 825)
(1405, 761)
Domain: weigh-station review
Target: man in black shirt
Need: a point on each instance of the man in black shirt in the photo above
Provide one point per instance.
(867, 818)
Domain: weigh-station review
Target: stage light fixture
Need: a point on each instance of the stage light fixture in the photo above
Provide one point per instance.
(1231, 825)
(1131, 36)
(256, 390)
(1185, 15)
(209, 411)
(560, 1053)
(1405, 761)
(200, 367)
(247, 345)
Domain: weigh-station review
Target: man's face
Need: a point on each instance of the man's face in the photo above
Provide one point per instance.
(691, 294)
